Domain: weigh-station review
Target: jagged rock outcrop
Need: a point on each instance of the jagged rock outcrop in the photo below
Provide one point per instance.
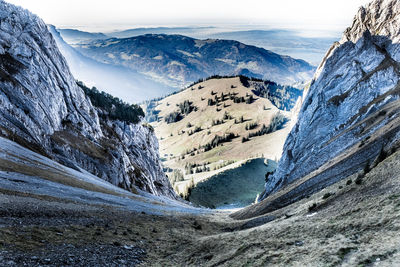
(42, 108)
(347, 100)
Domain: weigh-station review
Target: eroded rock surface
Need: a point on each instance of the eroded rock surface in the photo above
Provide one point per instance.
(42, 108)
(348, 114)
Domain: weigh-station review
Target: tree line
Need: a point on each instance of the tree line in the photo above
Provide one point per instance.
(113, 107)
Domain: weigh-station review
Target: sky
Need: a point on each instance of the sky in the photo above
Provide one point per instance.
(306, 15)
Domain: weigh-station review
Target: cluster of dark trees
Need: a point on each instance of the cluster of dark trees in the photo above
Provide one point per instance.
(277, 123)
(232, 96)
(217, 122)
(217, 140)
(246, 80)
(202, 169)
(173, 117)
(250, 99)
(227, 116)
(195, 130)
(113, 107)
(251, 126)
(190, 152)
(184, 108)
(211, 102)
(240, 120)
(177, 176)
(243, 79)
(283, 97)
(210, 78)
(238, 99)
(191, 168)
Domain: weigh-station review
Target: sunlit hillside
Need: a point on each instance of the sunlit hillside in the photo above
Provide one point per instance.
(192, 126)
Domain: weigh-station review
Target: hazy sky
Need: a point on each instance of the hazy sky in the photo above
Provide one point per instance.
(113, 14)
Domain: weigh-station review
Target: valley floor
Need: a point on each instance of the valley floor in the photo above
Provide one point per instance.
(352, 224)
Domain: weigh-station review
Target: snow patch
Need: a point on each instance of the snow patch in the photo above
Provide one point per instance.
(125, 56)
(226, 60)
(110, 55)
(174, 62)
(185, 53)
(251, 65)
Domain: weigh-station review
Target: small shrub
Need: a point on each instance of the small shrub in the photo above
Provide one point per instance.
(359, 179)
(342, 252)
(227, 116)
(382, 113)
(217, 122)
(312, 207)
(349, 182)
(186, 107)
(211, 102)
(176, 176)
(251, 126)
(382, 155)
(367, 168)
(327, 195)
(173, 117)
(219, 140)
(250, 100)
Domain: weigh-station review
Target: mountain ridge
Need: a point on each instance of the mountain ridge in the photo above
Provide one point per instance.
(179, 60)
(43, 108)
(119, 81)
(349, 115)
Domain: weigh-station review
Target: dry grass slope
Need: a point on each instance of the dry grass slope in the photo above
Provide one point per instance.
(181, 139)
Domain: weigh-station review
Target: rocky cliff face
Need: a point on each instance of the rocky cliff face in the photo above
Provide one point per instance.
(349, 114)
(42, 108)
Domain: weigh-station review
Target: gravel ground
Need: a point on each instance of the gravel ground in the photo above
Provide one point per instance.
(70, 255)
(351, 223)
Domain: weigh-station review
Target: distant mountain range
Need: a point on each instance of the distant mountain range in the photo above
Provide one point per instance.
(285, 42)
(75, 36)
(119, 81)
(195, 32)
(177, 60)
(72, 36)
